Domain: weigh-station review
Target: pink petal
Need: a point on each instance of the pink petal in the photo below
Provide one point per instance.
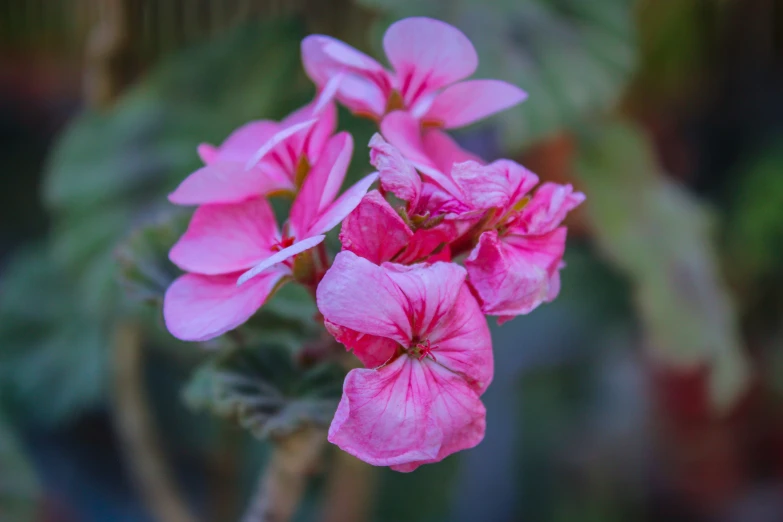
(199, 307)
(276, 139)
(397, 175)
(463, 343)
(384, 415)
(483, 186)
(466, 102)
(403, 132)
(430, 291)
(372, 350)
(549, 207)
(244, 141)
(443, 151)
(322, 183)
(406, 414)
(425, 241)
(427, 55)
(207, 153)
(279, 257)
(225, 182)
(337, 211)
(226, 238)
(359, 295)
(511, 276)
(374, 230)
(458, 411)
(311, 142)
(365, 84)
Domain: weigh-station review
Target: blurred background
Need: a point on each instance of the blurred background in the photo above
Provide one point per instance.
(651, 389)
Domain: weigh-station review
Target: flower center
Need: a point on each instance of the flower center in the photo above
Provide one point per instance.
(283, 243)
(421, 349)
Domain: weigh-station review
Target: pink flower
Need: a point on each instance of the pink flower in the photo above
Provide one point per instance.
(429, 58)
(260, 158)
(428, 354)
(237, 256)
(515, 265)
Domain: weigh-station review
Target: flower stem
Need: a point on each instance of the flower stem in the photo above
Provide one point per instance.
(283, 482)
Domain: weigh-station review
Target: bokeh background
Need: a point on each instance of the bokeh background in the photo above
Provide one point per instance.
(651, 389)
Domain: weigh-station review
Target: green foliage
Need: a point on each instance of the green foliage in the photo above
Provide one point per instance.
(754, 237)
(572, 57)
(661, 237)
(18, 483)
(266, 390)
(109, 172)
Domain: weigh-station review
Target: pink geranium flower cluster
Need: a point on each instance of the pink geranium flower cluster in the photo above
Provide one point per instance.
(396, 296)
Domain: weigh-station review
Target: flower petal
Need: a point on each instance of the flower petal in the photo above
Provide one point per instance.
(497, 185)
(244, 141)
(226, 238)
(443, 151)
(466, 102)
(280, 136)
(458, 412)
(322, 183)
(430, 291)
(226, 182)
(549, 207)
(384, 415)
(374, 230)
(199, 307)
(463, 343)
(359, 295)
(397, 175)
(372, 350)
(427, 55)
(337, 211)
(312, 141)
(207, 153)
(279, 257)
(513, 279)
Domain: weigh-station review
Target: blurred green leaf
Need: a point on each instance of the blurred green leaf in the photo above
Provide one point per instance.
(266, 390)
(53, 358)
(145, 268)
(754, 237)
(661, 237)
(19, 488)
(572, 57)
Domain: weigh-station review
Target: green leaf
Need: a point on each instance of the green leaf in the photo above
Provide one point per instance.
(19, 488)
(266, 390)
(53, 359)
(662, 238)
(145, 269)
(572, 57)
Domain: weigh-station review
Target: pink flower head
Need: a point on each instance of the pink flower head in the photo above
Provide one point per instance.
(428, 353)
(429, 59)
(236, 255)
(516, 264)
(260, 158)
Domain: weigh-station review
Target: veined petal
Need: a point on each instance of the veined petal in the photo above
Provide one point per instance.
(384, 415)
(483, 186)
(548, 208)
(397, 175)
(200, 307)
(374, 230)
(372, 350)
(427, 55)
(279, 257)
(513, 279)
(312, 141)
(226, 238)
(322, 183)
(225, 182)
(337, 211)
(276, 139)
(457, 411)
(466, 102)
(359, 295)
(463, 342)
(430, 291)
